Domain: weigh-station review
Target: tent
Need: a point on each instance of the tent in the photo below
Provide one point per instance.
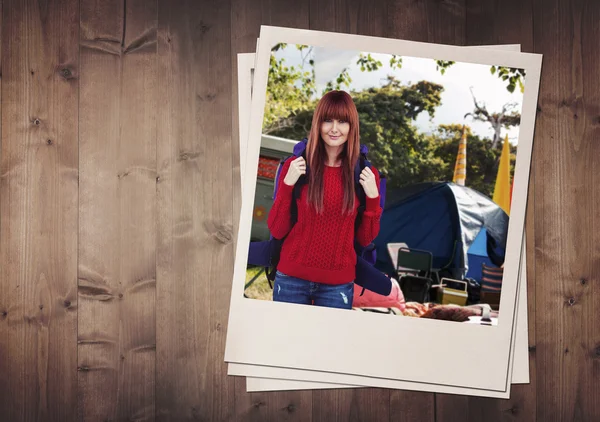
(444, 219)
(478, 255)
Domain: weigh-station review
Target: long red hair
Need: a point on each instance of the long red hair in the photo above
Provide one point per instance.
(333, 105)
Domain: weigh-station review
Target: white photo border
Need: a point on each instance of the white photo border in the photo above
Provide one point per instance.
(294, 336)
(268, 378)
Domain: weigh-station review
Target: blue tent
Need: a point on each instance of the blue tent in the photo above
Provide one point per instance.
(478, 255)
(443, 218)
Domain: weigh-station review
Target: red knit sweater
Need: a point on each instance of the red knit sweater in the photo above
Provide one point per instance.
(320, 247)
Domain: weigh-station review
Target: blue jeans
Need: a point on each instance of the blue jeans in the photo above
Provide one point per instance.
(296, 290)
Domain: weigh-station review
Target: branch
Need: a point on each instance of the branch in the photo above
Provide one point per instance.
(279, 125)
(478, 108)
(476, 117)
(506, 107)
(305, 56)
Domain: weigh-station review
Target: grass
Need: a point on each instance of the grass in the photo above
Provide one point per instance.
(260, 288)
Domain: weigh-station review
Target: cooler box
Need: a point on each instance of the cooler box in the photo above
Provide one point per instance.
(454, 292)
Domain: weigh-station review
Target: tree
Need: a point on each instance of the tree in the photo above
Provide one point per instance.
(506, 118)
(482, 159)
(292, 89)
(289, 91)
(387, 116)
(386, 113)
(513, 75)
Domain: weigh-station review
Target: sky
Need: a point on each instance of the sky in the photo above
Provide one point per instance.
(456, 98)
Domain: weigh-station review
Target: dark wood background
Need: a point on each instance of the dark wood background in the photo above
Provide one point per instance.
(118, 208)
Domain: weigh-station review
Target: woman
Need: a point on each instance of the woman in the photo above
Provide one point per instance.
(317, 261)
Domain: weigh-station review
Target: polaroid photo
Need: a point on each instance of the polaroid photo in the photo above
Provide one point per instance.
(339, 338)
(262, 378)
(266, 378)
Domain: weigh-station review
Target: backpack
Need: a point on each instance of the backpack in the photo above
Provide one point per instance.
(267, 253)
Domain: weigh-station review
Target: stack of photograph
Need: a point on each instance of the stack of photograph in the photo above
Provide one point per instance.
(381, 233)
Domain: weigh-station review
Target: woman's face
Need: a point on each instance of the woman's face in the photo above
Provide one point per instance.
(335, 132)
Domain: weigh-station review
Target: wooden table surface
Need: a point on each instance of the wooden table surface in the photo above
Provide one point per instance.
(119, 199)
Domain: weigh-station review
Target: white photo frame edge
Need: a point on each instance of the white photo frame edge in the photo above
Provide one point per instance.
(263, 378)
(489, 373)
(268, 378)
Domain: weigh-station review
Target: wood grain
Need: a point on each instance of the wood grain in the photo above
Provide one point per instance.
(272, 406)
(438, 22)
(411, 406)
(117, 211)
(446, 25)
(38, 211)
(567, 295)
(195, 240)
(508, 22)
(247, 17)
(363, 18)
(117, 137)
(5, 402)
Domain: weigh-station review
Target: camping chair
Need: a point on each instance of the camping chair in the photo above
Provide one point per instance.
(392, 249)
(414, 268)
(447, 266)
(491, 285)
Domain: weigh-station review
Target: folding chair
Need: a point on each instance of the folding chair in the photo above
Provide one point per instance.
(491, 285)
(414, 272)
(435, 272)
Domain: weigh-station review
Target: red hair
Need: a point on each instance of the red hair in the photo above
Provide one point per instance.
(333, 105)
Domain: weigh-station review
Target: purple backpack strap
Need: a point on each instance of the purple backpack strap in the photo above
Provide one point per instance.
(370, 278)
(260, 253)
(299, 149)
(382, 191)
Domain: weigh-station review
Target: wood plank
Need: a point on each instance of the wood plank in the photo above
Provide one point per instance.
(246, 18)
(451, 407)
(5, 403)
(446, 25)
(39, 203)
(38, 211)
(438, 22)
(117, 265)
(351, 404)
(195, 240)
(272, 405)
(509, 22)
(412, 406)
(363, 18)
(499, 22)
(566, 212)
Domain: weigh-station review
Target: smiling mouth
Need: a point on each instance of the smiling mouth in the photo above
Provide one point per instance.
(334, 137)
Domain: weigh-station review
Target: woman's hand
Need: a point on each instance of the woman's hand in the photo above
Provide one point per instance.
(297, 168)
(367, 181)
